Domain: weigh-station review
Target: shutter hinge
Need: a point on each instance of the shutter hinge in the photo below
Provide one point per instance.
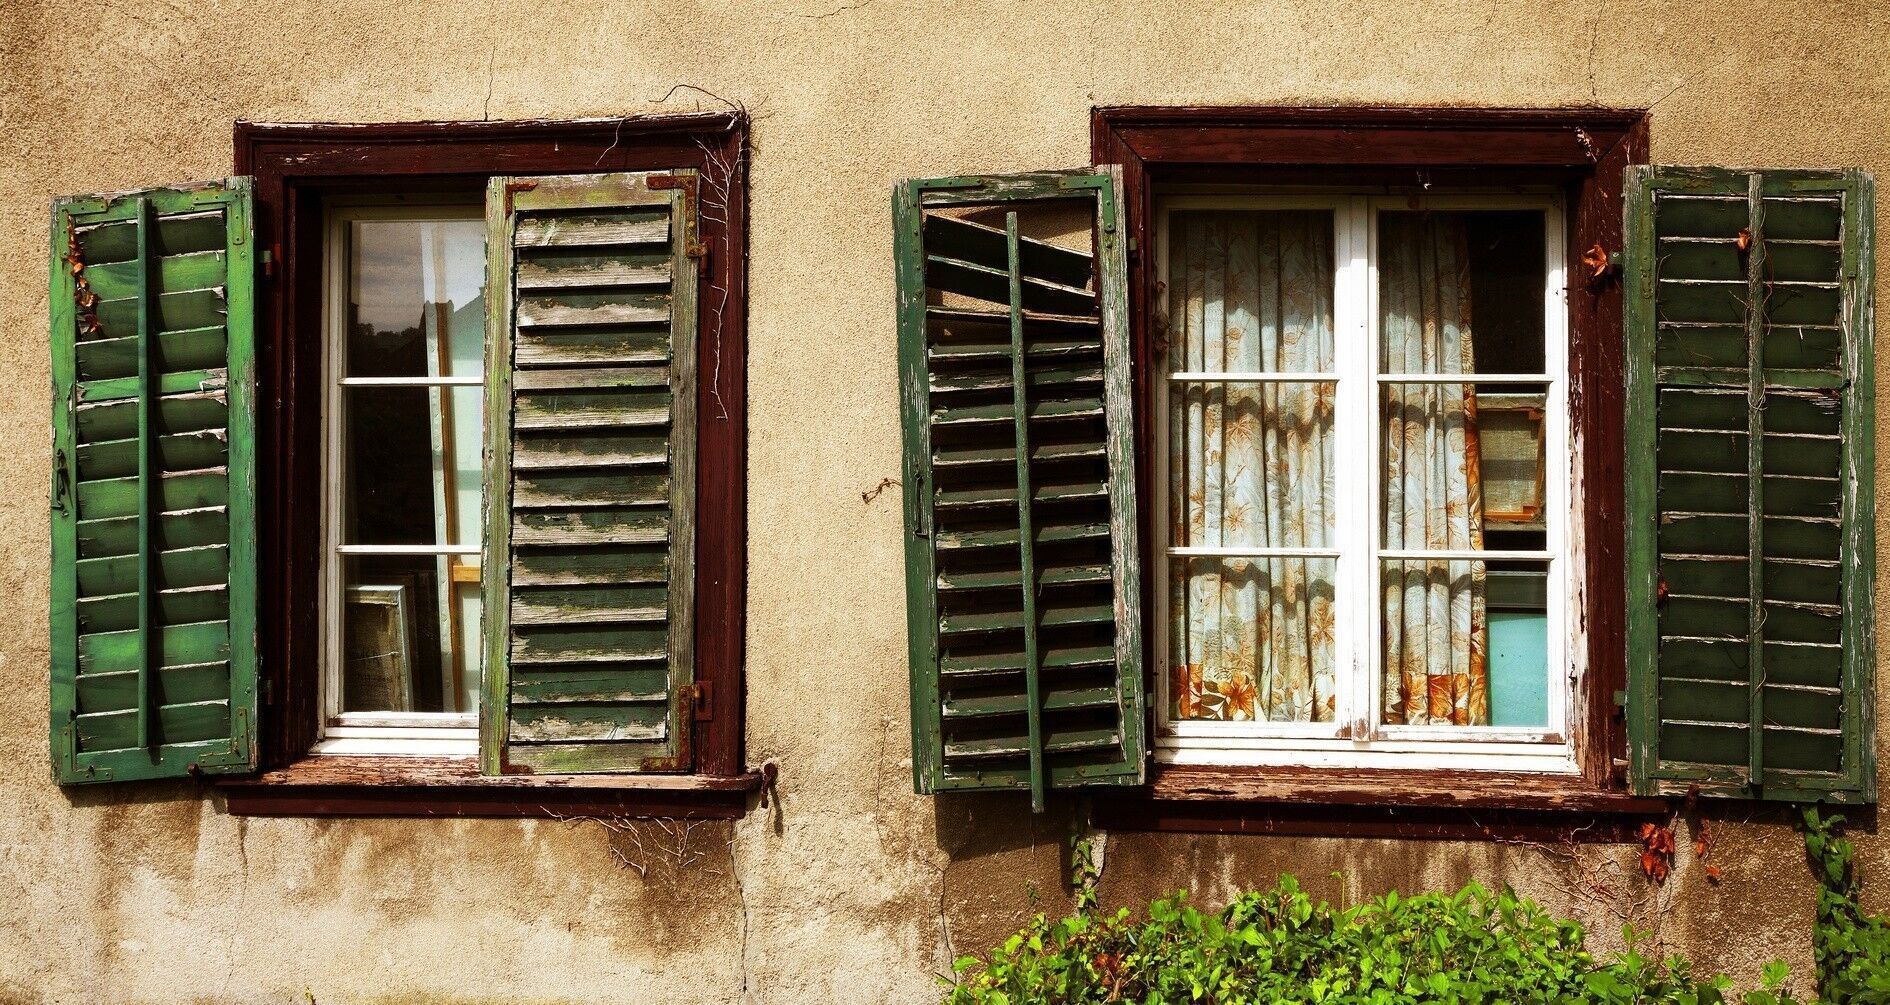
(702, 695)
(268, 258)
(690, 184)
(512, 188)
(1620, 699)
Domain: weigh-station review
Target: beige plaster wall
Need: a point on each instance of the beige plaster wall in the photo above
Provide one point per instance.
(853, 889)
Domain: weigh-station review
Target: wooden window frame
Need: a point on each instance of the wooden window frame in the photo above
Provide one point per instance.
(1582, 151)
(377, 732)
(296, 166)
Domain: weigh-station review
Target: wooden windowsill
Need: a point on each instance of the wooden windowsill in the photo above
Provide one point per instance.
(337, 785)
(1377, 803)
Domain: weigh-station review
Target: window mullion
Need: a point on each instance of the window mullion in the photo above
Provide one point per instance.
(1353, 431)
(1370, 649)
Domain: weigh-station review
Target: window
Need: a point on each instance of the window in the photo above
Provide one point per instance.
(1362, 436)
(481, 523)
(1371, 501)
(405, 327)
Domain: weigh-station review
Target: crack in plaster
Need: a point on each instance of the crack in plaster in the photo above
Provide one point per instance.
(741, 897)
(242, 899)
(832, 13)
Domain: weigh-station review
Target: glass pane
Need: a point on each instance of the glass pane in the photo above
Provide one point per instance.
(1462, 467)
(1461, 292)
(1252, 639)
(416, 301)
(409, 634)
(411, 459)
(1250, 290)
(1252, 465)
(1465, 643)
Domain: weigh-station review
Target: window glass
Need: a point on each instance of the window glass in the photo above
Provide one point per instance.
(1461, 293)
(1361, 416)
(407, 410)
(1252, 465)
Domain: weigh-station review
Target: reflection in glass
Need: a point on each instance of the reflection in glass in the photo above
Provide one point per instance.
(409, 281)
(410, 464)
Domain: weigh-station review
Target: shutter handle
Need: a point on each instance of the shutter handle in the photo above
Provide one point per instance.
(62, 488)
(62, 471)
(921, 513)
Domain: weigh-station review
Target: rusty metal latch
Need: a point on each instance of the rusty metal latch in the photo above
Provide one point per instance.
(690, 184)
(513, 188)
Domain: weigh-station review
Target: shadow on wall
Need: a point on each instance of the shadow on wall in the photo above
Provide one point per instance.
(1006, 864)
(81, 797)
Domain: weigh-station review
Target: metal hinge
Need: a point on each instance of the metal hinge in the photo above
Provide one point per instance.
(691, 187)
(702, 693)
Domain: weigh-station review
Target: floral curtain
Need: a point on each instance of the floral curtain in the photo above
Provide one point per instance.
(1435, 621)
(1252, 638)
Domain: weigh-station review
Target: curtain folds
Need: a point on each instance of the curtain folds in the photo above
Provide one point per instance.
(1253, 465)
(1435, 623)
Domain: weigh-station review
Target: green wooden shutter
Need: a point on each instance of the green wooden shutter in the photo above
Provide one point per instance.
(590, 488)
(1750, 539)
(154, 484)
(1022, 593)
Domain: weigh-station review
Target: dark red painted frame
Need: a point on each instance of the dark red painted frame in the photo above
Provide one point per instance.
(1582, 150)
(295, 166)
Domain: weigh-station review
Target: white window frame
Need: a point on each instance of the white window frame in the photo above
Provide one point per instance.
(417, 734)
(1354, 739)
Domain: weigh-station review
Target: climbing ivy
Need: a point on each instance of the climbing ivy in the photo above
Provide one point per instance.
(1851, 948)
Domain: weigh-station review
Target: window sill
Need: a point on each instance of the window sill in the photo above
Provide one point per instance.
(1378, 803)
(453, 787)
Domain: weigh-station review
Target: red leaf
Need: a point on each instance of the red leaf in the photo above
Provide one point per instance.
(1596, 258)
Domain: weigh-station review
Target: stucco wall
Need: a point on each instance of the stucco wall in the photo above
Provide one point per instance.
(852, 889)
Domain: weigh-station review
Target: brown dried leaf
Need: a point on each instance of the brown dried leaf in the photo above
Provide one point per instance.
(1745, 240)
(1596, 258)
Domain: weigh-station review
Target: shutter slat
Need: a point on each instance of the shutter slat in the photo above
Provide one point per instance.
(1021, 568)
(1750, 539)
(649, 226)
(153, 511)
(591, 403)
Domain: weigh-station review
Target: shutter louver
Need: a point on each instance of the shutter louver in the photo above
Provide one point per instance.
(153, 498)
(1750, 540)
(1020, 522)
(591, 474)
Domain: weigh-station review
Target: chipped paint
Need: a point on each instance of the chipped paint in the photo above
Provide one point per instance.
(848, 888)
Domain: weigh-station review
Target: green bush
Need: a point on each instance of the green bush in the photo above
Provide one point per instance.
(1278, 945)
(1852, 949)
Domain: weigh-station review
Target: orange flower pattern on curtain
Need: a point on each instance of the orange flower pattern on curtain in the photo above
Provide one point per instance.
(1435, 669)
(1251, 638)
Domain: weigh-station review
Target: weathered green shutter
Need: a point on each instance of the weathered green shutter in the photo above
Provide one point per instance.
(154, 484)
(1750, 539)
(1021, 583)
(590, 489)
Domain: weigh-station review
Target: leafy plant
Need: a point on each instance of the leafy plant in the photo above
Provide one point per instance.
(1851, 948)
(1279, 945)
